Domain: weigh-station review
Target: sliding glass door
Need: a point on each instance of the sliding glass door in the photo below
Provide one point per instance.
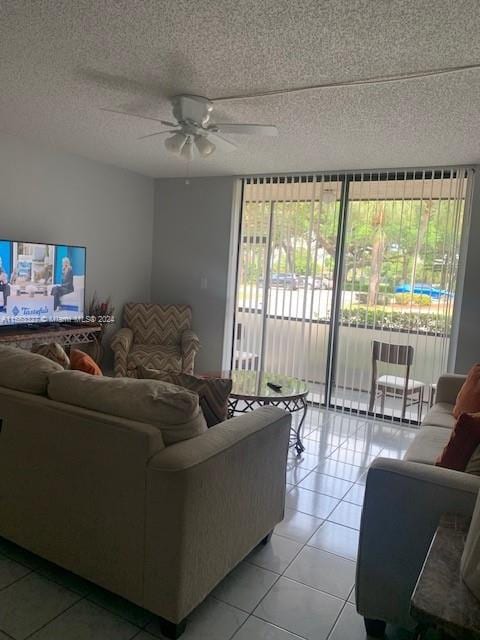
(330, 265)
(285, 277)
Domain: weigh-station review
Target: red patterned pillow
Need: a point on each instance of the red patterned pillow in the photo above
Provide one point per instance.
(463, 442)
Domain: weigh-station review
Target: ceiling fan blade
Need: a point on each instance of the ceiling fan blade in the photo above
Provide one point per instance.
(158, 133)
(122, 84)
(251, 129)
(221, 143)
(137, 115)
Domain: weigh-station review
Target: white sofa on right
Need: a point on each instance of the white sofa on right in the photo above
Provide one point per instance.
(404, 500)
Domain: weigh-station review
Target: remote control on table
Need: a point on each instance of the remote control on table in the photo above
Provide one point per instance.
(275, 387)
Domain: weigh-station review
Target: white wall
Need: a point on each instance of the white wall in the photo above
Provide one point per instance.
(191, 249)
(60, 198)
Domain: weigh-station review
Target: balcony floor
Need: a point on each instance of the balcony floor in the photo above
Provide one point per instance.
(358, 401)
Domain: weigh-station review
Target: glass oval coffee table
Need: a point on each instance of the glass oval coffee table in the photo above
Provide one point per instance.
(250, 389)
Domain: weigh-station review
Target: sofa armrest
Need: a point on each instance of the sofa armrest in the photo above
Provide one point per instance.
(448, 386)
(190, 345)
(403, 505)
(189, 341)
(122, 340)
(210, 501)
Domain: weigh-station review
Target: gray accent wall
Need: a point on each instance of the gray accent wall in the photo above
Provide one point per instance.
(47, 196)
(191, 243)
(191, 253)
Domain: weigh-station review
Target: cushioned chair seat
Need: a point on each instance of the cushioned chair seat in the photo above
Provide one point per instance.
(397, 382)
(166, 357)
(440, 415)
(428, 445)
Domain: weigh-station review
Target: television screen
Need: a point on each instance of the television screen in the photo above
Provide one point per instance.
(41, 282)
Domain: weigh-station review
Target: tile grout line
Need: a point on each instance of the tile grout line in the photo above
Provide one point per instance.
(54, 617)
(16, 579)
(329, 513)
(336, 620)
(309, 586)
(305, 544)
(326, 494)
(117, 615)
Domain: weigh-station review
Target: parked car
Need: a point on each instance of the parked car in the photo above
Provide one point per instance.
(285, 280)
(423, 289)
(319, 282)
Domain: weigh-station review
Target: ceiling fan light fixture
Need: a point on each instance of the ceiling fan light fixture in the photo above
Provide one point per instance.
(204, 146)
(187, 150)
(176, 143)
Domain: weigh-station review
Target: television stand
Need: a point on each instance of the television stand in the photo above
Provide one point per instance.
(66, 335)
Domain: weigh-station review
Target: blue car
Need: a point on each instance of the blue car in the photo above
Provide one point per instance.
(423, 289)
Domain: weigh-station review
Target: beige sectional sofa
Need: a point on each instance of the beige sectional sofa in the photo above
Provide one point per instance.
(404, 500)
(103, 496)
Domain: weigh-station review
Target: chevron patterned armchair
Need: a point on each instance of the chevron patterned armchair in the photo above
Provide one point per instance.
(155, 336)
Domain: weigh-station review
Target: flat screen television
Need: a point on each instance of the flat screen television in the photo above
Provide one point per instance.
(41, 283)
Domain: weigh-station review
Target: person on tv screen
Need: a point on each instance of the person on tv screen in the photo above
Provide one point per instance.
(4, 287)
(67, 283)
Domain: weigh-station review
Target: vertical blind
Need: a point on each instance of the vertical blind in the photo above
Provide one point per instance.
(330, 263)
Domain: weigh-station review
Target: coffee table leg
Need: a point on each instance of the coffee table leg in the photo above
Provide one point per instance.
(299, 448)
(232, 407)
(292, 406)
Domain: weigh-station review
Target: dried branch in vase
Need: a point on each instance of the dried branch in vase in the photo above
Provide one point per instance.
(100, 312)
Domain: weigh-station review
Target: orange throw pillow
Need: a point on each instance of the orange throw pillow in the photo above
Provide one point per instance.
(463, 442)
(468, 399)
(81, 361)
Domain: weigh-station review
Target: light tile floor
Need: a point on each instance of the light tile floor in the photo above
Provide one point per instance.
(300, 586)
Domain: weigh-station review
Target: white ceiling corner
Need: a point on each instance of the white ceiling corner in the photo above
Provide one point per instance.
(60, 61)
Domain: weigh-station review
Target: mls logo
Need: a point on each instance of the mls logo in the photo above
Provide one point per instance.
(15, 311)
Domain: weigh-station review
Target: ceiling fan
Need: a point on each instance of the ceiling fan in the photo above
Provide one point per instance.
(194, 128)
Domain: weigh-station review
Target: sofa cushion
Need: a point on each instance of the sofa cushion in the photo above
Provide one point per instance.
(173, 410)
(212, 392)
(427, 445)
(25, 371)
(464, 439)
(440, 415)
(468, 399)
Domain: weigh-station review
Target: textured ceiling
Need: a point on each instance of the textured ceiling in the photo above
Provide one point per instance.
(60, 61)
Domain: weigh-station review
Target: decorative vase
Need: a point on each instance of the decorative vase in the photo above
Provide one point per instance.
(470, 562)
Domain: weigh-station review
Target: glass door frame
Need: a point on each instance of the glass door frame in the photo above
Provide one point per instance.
(346, 179)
